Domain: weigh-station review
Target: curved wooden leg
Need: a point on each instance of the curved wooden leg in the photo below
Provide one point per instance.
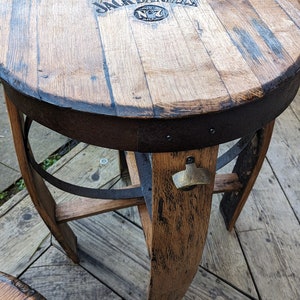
(39, 193)
(247, 168)
(179, 223)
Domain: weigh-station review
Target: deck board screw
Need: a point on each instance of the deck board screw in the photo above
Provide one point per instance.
(103, 161)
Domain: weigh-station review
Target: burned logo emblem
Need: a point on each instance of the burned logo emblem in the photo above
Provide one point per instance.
(151, 13)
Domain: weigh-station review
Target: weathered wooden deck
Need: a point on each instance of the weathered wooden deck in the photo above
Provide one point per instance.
(260, 259)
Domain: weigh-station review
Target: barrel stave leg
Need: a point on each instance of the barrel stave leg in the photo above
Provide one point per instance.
(179, 223)
(39, 193)
(247, 167)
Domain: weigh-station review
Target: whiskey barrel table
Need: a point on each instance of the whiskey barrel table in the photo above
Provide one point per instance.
(165, 82)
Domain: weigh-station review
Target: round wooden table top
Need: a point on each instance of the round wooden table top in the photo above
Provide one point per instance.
(156, 75)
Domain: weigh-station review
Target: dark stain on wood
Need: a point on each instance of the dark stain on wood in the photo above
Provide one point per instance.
(269, 38)
(247, 45)
(27, 216)
(107, 78)
(178, 223)
(160, 211)
(96, 176)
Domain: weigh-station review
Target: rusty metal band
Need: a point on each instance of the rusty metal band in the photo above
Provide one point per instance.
(113, 194)
(234, 151)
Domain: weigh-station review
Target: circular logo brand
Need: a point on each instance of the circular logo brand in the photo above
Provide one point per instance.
(151, 13)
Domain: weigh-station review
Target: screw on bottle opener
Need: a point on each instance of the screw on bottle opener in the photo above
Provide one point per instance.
(191, 177)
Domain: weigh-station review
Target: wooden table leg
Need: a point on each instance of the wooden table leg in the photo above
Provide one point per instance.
(247, 168)
(179, 223)
(39, 193)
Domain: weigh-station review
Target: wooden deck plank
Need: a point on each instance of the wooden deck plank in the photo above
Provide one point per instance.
(114, 251)
(47, 272)
(10, 177)
(23, 237)
(295, 105)
(85, 169)
(23, 234)
(21, 226)
(284, 154)
(270, 237)
(223, 255)
(206, 286)
(58, 165)
(276, 207)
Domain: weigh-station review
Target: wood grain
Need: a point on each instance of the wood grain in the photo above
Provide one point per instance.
(18, 253)
(78, 166)
(254, 39)
(60, 46)
(269, 234)
(248, 165)
(39, 193)
(142, 208)
(23, 64)
(75, 56)
(225, 56)
(77, 283)
(202, 60)
(114, 251)
(291, 8)
(35, 235)
(179, 223)
(126, 73)
(86, 207)
(226, 182)
(13, 289)
(285, 157)
(181, 74)
(279, 27)
(223, 256)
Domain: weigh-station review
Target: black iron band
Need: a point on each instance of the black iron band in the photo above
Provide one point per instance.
(144, 167)
(234, 151)
(113, 194)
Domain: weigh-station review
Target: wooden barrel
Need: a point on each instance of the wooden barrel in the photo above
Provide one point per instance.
(12, 288)
(167, 74)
